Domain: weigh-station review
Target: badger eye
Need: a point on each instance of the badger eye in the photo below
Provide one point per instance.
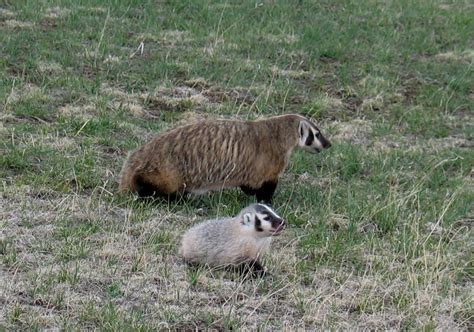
(266, 217)
(318, 135)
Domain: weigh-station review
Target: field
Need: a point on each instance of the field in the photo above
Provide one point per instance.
(380, 229)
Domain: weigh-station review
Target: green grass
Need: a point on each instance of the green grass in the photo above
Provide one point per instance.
(380, 232)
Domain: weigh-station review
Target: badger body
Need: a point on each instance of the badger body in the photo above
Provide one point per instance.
(238, 242)
(218, 154)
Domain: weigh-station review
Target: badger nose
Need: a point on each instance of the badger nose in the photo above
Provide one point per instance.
(278, 223)
(327, 145)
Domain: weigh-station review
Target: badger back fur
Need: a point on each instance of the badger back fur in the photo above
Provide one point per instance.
(232, 241)
(217, 154)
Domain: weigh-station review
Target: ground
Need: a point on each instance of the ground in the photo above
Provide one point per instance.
(380, 225)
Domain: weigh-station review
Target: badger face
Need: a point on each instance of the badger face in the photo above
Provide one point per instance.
(263, 222)
(310, 137)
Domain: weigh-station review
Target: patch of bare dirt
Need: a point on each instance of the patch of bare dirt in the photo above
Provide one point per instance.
(17, 24)
(49, 67)
(180, 98)
(56, 13)
(25, 92)
(356, 131)
(436, 144)
(193, 95)
(216, 94)
(7, 13)
(457, 6)
(378, 92)
(85, 112)
(281, 39)
(350, 99)
(327, 102)
(93, 9)
(410, 89)
(461, 56)
(450, 142)
(168, 38)
(300, 74)
(112, 59)
(387, 143)
(416, 144)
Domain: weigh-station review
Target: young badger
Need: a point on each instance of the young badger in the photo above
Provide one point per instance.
(217, 154)
(237, 242)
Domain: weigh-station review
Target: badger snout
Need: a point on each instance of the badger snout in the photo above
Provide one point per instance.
(325, 143)
(279, 226)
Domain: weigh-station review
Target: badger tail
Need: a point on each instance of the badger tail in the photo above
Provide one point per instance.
(126, 177)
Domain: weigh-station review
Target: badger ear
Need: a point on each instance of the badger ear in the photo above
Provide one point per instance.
(303, 130)
(247, 219)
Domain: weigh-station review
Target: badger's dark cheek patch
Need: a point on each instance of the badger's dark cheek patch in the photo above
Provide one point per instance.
(326, 144)
(276, 223)
(309, 139)
(258, 224)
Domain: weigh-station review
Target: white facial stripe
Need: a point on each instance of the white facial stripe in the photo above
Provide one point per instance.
(263, 217)
(274, 213)
(314, 129)
(270, 210)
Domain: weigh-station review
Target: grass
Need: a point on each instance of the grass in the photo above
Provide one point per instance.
(380, 232)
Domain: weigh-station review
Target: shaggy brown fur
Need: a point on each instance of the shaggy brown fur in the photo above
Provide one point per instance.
(215, 154)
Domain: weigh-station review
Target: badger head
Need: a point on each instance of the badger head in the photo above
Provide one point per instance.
(262, 221)
(310, 137)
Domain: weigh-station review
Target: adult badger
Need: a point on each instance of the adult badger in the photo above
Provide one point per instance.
(218, 154)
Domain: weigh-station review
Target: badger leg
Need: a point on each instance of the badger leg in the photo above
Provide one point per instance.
(145, 189)
(266, 191)
(248, 191)
(192, 265)
(257, 269)
(253, 267)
